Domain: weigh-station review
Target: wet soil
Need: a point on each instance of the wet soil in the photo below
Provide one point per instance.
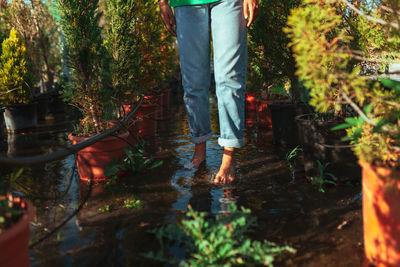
(325, 228)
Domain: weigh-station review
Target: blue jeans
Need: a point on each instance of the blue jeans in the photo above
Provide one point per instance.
(224, 21)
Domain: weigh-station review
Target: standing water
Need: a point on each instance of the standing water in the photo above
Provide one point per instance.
(324, 228)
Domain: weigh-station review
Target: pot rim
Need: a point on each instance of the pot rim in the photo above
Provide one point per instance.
(73, 137)
(20, 105)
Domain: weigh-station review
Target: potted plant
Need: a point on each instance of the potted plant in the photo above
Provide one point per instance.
(15, 84)
(39, 30)
(15, 216)
(90, 88)
(323, 60)
(272, 63)
(141, 58)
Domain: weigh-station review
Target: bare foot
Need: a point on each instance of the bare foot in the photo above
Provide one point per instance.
(226, 173)
(198, 157)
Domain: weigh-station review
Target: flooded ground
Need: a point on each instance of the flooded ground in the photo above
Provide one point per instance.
(325, 228)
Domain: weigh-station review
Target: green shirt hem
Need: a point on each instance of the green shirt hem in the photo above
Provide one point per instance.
(175, 3)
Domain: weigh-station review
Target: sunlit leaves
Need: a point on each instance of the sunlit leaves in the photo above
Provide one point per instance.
(219, 241)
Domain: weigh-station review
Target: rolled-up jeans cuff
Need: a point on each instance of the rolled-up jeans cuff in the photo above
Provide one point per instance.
(236, 143)
(201, 139)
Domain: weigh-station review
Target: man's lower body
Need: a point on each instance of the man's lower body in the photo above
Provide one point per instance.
(225, 22)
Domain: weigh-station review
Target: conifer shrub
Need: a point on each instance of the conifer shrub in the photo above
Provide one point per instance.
(123, 43)
(15, 84)
(142, 51)
(89, 89)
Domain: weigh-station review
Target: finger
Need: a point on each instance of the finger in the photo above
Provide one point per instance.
(251, 16)
(246, 10)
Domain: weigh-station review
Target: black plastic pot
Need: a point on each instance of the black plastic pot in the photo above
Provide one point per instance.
(1, 124)
(283, 121)
(43, 106)
(319, 142)
(20, 117)
(55, 103)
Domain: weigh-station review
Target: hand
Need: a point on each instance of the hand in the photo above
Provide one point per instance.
(250, 10)
(167, 16)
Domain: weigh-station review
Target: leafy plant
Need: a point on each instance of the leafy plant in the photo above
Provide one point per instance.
(222, 241)
(291, 157)
(15, 79)
(321, 179)
(338, 45)
(106, 208)
(133, 204)
(135, 160)
(271, 61)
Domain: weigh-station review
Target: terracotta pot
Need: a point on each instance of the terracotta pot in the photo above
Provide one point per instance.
(264, 114)
(381, 215)
(92, 160)
(14, 242)
(250, 102)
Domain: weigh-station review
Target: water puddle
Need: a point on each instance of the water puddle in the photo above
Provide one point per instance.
(105, 233)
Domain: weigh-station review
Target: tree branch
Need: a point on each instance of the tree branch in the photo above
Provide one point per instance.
(370, 18)
(357, 109)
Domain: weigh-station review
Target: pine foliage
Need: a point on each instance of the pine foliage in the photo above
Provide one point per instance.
(15, 85)
(123, 46)
(87, 58)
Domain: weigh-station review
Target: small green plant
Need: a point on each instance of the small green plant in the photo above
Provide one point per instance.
(291, 157)
(222, 241)
(106, 208)
(136, 161)
(321, 179)
(133, 204)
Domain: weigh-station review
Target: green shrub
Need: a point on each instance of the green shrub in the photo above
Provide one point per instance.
(271, 61)
(15, 84)
(34, 22)
(123, 43)
(158, 57)
(222, 241)
(340, 56)
(89, 89)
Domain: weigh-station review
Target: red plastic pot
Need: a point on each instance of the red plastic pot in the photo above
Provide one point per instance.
(264, 114)
(167, 98)
(148, 119)
(158, 101)
(14, 242)
(92, 160)
(250, 102)
(381, 215)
